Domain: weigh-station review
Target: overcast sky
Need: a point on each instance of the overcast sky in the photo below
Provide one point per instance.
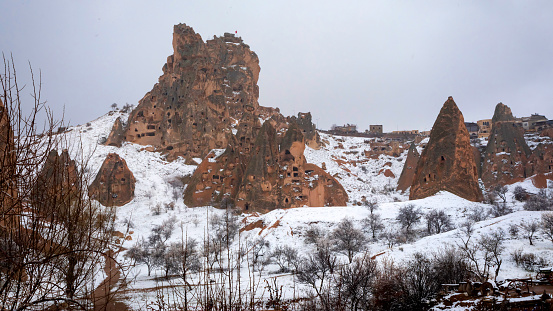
(362, 62)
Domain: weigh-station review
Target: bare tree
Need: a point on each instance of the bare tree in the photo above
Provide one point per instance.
(520, 194)
(547, 225)
(52, 236)
(285, 257)
(530, 228)
(437, 222)
(348, 239)
(374, 224)
(355, 282)
(408, 216)
(501, 192)
(538, 202)
(500, 209)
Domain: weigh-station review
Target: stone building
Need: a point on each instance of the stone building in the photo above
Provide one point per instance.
(484, 128)
(376, 129)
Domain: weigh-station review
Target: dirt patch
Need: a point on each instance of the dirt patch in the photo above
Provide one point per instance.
(387, 173)
(253, 225)
(540, 180)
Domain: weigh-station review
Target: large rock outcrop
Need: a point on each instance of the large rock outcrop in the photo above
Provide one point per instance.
(447, 163)
(205, 89)
(117, 134)
(506, 155)
(114, 183)
(8, 190)
(58, 184)
(274, 175)
(406, 178)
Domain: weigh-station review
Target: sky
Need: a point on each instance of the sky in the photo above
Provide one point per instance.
(365, 62)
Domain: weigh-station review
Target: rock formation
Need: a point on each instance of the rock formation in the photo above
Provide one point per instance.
(541, 160)
(58, 183)
(309, 130)
(507, 153)
(406, 178)
(273, 175)
(8, 191)
(205, 89)
(447, 163)
(117, 134)
(114, 183)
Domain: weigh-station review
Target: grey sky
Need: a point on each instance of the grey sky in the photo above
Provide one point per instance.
(363, 62)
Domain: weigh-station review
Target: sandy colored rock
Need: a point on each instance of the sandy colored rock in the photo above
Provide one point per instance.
(114, 184)
(117, 134)
(57, 182)
(8, 191)
(206, 87)
(506, 155)
(406, 178)
(272, 175)
(447, 163)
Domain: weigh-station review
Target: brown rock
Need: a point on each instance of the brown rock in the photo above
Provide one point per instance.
(541, 160)
(447, 163)
(309, 130)
(507, 153)
(406, 178)
(117, 134)
(114, 183)
(547, 132)
(274, 175)
(206, 87)
(58, 182)
(8, 191)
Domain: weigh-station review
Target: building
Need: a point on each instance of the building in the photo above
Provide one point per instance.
(411, 132)
(473, 129)
(376, 129)
(533, 122)
(484, 128)
(345, 129)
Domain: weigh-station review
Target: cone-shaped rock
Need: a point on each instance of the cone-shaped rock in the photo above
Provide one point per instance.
(507, 152)
(447, 163)
(117, 134)
(114, 184)
(8, 189)
(406, 178)
(58, 183)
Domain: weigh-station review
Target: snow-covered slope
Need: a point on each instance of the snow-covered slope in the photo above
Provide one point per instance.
(159, 188)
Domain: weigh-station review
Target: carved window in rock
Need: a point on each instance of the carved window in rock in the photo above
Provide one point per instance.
(151, 134)
(151, 127)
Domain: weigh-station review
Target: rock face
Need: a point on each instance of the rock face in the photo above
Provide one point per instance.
(406, 178)
(114, 183)
(117, 134)
(507, 154)
(58, 183)
(304, 122)
(8, 191)
(205, 90)
(447, 163)
(541, 160)
(274, 175)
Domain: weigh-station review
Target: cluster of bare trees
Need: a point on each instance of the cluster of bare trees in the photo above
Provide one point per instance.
(53, 238)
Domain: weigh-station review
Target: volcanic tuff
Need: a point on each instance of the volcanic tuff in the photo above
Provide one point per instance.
(8, 191)
(507, 153)
(58, 182)
(207, 99)
(406, 177)
(114, 183)
(447, 163)
(205, 90)
(275, 175)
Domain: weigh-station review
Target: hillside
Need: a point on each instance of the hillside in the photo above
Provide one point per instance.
(158, 198)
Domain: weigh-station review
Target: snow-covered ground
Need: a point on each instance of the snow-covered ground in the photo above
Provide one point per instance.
(158, 197)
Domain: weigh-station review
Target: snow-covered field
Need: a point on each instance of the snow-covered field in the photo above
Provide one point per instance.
(159, 187)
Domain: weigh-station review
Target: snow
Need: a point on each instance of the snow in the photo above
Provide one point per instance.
(159, 187)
